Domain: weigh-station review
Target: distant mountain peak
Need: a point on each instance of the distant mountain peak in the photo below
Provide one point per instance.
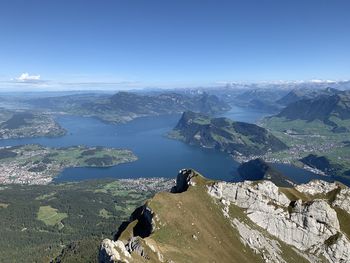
(323, 107)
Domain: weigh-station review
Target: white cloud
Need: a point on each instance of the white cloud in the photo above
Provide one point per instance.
(25, 77)
(322, 81)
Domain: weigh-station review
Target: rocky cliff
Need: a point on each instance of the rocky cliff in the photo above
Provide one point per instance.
(207, 221)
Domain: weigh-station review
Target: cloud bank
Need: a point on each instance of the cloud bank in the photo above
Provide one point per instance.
(25, 77)
(27, 81)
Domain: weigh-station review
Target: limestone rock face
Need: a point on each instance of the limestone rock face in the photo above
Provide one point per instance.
(246, 194)
(316, 187)
(307, 226)
(258, 242)
(339, 251)
(343, 200)
(140, 225)
(113, 251)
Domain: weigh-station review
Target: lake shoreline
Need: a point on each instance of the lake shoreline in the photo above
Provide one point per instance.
(158, 156)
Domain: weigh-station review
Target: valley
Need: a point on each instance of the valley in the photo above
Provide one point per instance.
(323, 131)
(126, 106)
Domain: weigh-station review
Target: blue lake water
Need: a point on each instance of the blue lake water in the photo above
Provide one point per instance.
(246, 114)
(158, 156)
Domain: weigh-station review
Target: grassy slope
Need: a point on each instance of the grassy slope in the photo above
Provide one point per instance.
(180, 217)
(195, 213)
(50, 216)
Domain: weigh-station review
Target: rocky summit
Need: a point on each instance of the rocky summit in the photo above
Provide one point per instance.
(252, 221)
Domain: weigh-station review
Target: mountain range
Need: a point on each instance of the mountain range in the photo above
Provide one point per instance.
(307, 93)
(322, 107)
(125, 106)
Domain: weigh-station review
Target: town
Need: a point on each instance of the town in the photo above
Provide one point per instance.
(35, 164)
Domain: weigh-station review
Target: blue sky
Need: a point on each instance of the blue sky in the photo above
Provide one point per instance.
(111, 44)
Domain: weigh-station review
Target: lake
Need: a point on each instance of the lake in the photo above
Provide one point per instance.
(158, 156)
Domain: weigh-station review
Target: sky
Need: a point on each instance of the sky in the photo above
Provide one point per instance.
(112, 44)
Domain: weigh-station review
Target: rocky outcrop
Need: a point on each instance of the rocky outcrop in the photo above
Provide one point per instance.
(316, 187)
(247, 194)
(113, 251)
(338, 250)
(342, 200)
(259, 242)
(183, 180)
(306, 225)
(139, 226)
(265, 221)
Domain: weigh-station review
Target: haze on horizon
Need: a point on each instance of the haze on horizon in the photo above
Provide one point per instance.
(54, 45)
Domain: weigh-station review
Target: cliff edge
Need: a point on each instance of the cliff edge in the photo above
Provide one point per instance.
(207, 221)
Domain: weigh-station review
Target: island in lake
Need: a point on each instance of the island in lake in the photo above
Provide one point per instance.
(36, 164)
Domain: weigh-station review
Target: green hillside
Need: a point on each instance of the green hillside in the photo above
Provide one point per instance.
(318, 126)
(237, 138)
